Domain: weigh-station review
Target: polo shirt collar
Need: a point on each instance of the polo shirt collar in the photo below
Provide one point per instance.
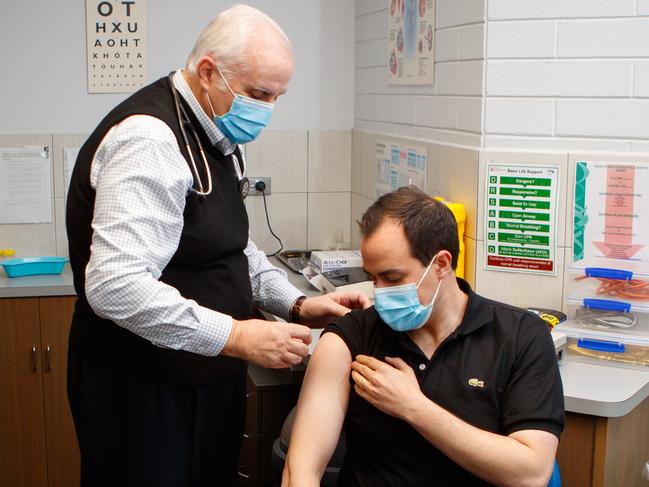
(476, 314)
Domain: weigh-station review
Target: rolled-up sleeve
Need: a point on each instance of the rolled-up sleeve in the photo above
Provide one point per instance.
(271, 289)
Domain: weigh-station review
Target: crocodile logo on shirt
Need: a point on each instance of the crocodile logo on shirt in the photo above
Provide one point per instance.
(476, 382)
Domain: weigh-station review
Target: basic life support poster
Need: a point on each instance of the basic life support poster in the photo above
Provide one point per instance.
(520, 218)
(611, 212)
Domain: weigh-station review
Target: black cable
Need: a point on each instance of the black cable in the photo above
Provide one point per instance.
(281, 245)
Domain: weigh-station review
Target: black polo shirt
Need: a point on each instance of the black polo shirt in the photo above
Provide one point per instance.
(497, 371)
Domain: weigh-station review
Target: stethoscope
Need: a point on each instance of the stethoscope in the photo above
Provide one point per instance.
(185, 122)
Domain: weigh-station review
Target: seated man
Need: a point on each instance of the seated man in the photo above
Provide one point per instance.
(459, 391)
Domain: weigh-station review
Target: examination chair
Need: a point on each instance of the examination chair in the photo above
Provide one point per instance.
(280, 448)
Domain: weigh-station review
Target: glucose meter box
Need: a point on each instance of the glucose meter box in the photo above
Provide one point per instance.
(329, 260)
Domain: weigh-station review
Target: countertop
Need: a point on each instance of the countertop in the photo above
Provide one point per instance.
(589, 387)
(36, 286)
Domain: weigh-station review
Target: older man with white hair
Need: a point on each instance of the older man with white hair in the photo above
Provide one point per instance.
(166, 275)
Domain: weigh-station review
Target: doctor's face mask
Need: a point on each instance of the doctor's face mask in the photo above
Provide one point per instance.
(246, 118)
(399, 306)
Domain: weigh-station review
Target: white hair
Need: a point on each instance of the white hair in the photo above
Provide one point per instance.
(227, 37)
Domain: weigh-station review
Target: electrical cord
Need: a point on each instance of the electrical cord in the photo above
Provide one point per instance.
(261, 186)
(605, 319)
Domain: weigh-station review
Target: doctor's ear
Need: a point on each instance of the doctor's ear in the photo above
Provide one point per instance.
(205, 71)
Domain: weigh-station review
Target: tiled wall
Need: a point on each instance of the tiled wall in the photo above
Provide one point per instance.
(448, 112)
(310, 199)
(567, 75)
(309, 205)
(459, 175)
(452, 173)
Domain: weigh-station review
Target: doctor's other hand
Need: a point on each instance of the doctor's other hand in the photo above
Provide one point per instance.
(319, 311)
(268, 343)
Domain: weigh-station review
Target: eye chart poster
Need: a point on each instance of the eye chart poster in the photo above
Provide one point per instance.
(411, 42)
(399, 165)
(116, 45)
(521, 218)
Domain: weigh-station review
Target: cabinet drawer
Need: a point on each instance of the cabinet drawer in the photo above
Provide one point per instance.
(248, 470)
(252, 413)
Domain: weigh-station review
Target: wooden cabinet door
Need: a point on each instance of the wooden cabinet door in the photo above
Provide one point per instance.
(63, 461)
(22, 422)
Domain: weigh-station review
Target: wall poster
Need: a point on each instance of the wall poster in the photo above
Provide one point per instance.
(411, 42)
(25, 185)
(611, 211)
(399, 165)
(520, 218)
(116, 45)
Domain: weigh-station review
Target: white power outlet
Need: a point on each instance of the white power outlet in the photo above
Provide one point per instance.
(253, 182)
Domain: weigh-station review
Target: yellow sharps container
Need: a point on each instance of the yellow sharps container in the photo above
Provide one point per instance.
(460, 217)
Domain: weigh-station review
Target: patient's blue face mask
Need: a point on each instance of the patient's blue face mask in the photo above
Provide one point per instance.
(399, 306)
(245, 119)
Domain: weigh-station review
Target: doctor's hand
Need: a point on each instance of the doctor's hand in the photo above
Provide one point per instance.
(270, 344)
(319, 311)
(390, 386)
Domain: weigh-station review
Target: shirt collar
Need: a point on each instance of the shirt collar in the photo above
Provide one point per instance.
(477, 313)
(216, 136)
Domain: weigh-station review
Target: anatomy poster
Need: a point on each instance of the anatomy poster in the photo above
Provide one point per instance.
(611, 211)
(398, 165)
(411, 42)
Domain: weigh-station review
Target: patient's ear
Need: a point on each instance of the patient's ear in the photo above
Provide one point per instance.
(443, 263)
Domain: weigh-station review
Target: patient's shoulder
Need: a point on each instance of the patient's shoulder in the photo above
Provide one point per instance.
(356, 329)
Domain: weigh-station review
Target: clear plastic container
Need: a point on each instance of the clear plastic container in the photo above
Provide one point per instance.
(612, 352)
(609, 279)
(606, 320)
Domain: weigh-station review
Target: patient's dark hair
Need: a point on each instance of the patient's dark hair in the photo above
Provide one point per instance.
(428, 224)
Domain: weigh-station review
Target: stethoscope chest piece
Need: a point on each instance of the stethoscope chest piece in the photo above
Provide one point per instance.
(244, 187)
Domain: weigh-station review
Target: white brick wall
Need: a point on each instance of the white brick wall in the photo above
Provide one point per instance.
(452, 13)
(567, 74)
(559, 9)
(521, 40)
(520, 116)
(641, 88)
(609, 38)
(559, 78)
(643, 7)
(558, 74)
(451, 109)
(603, 118)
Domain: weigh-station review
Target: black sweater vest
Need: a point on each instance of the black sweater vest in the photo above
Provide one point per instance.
(209, 265)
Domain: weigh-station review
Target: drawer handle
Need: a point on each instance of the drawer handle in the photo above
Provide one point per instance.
(247, 436)
(48, 358)
(34, 360)
(241, 472)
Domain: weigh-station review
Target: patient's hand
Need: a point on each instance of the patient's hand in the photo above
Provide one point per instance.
(390, 386)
